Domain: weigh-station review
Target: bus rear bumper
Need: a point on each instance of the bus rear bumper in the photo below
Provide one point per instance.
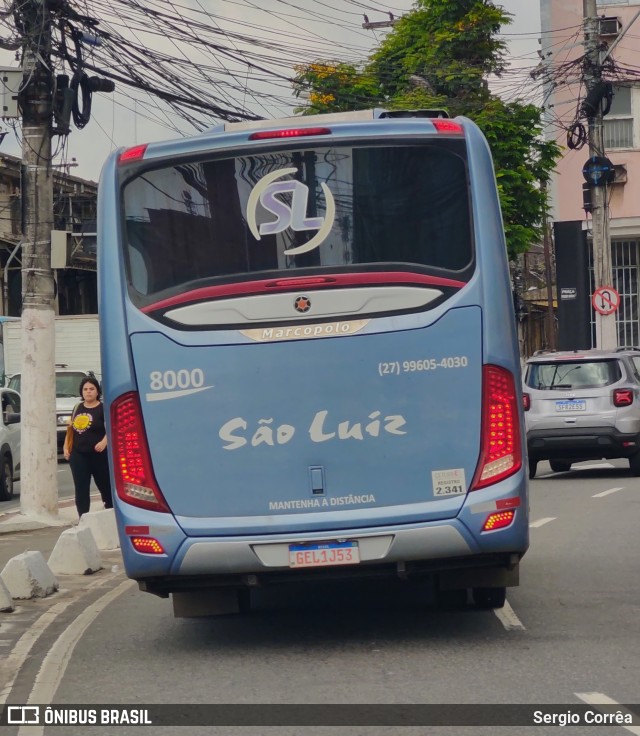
(444, 550)
(456, 551)
(448, 574)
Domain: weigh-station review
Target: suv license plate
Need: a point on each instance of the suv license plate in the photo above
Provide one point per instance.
(580, 405)
(323, 554)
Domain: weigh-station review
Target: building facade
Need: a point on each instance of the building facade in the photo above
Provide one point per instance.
(562, 47)
(75, 204)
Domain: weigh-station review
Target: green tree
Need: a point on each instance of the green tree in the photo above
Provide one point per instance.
(441, 54)
(332, 86)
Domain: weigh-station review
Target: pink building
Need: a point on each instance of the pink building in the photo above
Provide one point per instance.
(562, 47)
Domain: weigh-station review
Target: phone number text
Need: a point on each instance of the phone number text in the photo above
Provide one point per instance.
(428, 364)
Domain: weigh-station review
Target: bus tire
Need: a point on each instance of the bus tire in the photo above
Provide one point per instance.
(560, 466)
(489, 597)
(6, 478)
(533, 466)
(451, 598)
(634, 464)
(244, 600)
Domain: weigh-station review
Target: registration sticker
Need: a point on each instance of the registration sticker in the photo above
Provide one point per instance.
(448, 482)
(324, 554)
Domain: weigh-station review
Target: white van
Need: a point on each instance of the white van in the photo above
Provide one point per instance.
(67, 396)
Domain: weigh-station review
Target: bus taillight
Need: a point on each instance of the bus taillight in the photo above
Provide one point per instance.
(134, 479)
(500, 452)
(147, 545)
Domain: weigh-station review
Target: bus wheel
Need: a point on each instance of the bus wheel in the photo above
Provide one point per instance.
(451, 598)
(489, 597)
(560, 466)
(533, 466)
(6, 479)
(634, 464)
(244, 600)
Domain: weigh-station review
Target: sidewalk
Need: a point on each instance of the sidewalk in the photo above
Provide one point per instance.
(20, 534)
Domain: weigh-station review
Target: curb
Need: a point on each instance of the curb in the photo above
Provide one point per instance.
(12, 522)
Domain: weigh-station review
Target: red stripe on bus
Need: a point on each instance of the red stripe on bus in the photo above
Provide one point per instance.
(296, 283)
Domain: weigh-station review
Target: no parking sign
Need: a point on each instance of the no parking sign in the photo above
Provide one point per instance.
(605, 300)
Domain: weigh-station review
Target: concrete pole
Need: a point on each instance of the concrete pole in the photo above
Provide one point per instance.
(39, 488)
(606, 331)
(550, 320)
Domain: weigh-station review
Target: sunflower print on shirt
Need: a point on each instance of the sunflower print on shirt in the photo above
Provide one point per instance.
(82, 422)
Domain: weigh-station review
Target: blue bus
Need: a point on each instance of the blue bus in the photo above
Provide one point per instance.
(310, 359)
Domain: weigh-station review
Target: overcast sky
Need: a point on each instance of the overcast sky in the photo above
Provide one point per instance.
(115, 123)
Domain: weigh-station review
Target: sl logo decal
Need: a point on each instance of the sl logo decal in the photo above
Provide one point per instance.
(265, 192)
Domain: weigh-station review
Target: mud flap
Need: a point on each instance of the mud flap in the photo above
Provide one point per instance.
(212, 602)
(489, 577)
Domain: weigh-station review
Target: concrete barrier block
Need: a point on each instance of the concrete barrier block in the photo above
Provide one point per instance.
(6, 601)
(103, 527)
(75, 553)
(28, 576)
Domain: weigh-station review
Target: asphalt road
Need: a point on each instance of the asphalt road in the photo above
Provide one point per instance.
(568, 637)
(65, 489)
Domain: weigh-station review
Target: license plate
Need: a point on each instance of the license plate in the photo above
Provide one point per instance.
(578, 405)
(323, 554)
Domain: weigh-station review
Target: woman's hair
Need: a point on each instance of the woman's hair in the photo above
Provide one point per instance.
(94, 382)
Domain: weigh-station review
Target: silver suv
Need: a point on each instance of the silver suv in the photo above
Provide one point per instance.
(583, 405)
(9, 442)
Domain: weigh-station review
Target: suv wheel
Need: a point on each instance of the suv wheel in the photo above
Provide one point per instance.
(560, 466)
(634, 464)
(6, 479)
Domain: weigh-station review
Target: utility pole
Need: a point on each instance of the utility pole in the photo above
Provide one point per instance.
(39, 488)
(606, 331)
(373, 25)
(552, 342)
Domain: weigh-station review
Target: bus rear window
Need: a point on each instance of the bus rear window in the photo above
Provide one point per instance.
(340, 208)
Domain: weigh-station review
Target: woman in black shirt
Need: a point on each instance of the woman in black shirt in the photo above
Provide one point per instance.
(87, 455)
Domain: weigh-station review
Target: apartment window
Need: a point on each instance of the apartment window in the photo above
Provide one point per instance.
(618, 124)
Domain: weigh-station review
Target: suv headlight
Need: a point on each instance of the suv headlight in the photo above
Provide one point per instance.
(64, 420)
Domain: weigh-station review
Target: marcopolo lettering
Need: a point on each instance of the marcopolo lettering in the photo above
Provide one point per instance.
(306, 331)
(339, 328)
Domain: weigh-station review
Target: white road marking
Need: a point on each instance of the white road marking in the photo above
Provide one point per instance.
(542, 522)
(14, 661)
(593, 466)
(597, 699)
(23, 646)
(606, 493)
(55, 663)
(507, 617)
